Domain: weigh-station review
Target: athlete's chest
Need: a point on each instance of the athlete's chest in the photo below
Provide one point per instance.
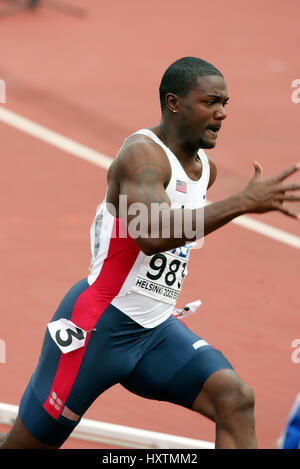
(193, 169)
(184, 192)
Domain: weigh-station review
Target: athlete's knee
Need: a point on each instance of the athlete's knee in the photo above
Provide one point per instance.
(236, 403)
(223, 396)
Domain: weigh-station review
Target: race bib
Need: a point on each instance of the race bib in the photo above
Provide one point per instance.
(161, 276)
(67, 335)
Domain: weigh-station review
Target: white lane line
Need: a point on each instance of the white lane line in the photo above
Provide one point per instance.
(268, 230)
(54, 138)
(92, 156)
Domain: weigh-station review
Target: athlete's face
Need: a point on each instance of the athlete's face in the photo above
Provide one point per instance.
(202, 111)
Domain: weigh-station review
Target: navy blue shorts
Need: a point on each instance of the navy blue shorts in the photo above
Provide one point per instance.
(166, 363)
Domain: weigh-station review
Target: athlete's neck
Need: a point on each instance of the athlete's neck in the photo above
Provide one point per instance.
(171, 137)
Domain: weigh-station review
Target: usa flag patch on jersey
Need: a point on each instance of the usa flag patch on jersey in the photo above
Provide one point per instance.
(181, 186)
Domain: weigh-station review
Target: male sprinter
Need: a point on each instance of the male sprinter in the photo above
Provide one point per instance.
(117, 326)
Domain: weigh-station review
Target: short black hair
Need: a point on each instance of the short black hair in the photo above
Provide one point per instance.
(181, 76)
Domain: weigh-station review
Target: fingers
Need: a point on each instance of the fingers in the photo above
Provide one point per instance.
(289, 187)
(284, 174)
(287, 211)
(258, 170)
(291, 198)
(290, 213)
(270, 194)
(282, 197)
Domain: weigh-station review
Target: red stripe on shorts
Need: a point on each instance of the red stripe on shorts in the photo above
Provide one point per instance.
(88, 308)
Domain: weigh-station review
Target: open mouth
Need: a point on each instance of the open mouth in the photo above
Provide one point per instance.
(213, 130)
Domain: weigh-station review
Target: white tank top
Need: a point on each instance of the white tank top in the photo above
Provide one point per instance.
(144, 287)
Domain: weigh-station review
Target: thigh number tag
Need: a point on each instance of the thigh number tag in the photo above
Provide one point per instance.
(67, 335)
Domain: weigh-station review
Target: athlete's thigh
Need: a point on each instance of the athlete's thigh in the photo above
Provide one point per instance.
(64, 385)
(20, 438)
(175, 366)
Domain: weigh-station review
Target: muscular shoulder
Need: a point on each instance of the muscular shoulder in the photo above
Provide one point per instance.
(140, 153)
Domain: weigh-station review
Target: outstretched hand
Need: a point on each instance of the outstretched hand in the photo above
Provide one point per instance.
(265, 195)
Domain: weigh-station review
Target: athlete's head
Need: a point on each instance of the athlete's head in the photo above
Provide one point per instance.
(182, 75)
(194, 92)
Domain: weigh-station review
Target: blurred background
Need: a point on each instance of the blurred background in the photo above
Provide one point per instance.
(90, 71)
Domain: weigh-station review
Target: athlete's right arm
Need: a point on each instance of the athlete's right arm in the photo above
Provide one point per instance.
(136, 187)
(142, 172)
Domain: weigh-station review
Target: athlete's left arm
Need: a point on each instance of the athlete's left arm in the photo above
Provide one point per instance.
(213, 173)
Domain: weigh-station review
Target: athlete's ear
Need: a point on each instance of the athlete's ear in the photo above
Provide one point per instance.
(172, 102)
